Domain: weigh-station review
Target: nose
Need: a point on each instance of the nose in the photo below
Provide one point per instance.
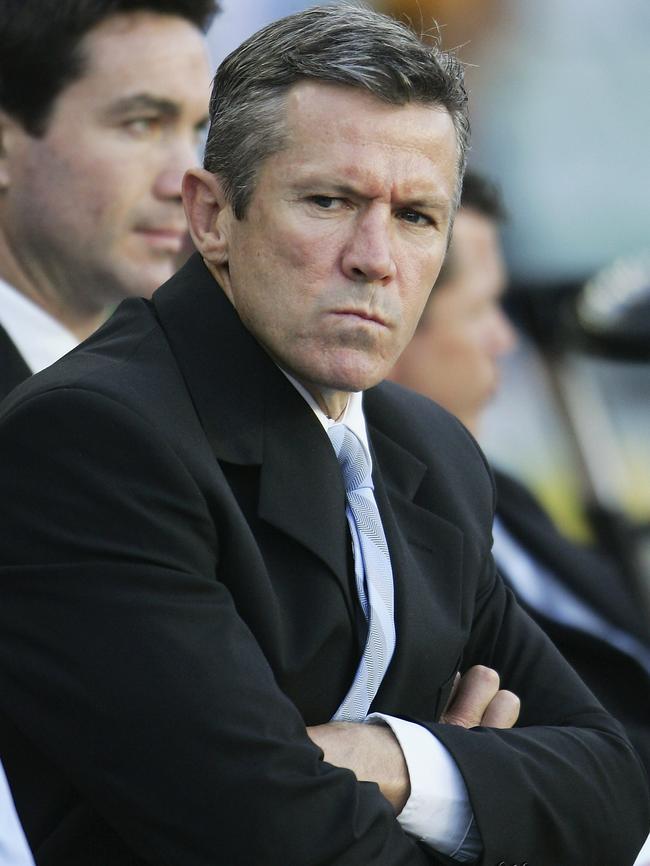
(180, 155)
(368, 255)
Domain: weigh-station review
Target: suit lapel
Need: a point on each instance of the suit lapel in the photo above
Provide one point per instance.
(253, 416)
(301, 491)
(426, 554)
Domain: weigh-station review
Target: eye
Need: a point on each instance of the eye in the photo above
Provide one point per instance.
(141, 127)
(326, 202)
(414, 217)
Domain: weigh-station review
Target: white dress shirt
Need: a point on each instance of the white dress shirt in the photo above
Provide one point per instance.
(14, 850)
(545, 593)
(39, 338)
(643, 857)
(438, 811)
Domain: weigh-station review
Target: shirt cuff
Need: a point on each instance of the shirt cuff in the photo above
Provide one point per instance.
(438, 811)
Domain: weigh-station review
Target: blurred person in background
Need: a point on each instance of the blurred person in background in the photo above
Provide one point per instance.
(102, 105)
(102, 108)
(577, 594)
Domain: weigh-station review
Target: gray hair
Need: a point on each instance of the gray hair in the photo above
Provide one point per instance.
(347, 44)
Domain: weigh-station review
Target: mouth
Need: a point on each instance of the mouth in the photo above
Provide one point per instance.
(372, 318)
(163, 238)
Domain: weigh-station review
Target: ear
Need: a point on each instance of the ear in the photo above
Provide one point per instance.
(208, 214)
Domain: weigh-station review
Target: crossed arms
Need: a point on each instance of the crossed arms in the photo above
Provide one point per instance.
(373, 753)
(166, 726)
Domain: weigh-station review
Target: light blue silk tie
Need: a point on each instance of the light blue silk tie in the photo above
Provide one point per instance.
(373, 572)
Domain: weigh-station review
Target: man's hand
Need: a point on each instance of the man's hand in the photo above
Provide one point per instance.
(477, 700)
(371, 752)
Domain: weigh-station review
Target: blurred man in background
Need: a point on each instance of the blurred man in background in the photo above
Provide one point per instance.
(102, 108)
(578, 596)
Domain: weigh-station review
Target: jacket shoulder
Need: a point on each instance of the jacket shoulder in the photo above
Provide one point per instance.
(421, 426)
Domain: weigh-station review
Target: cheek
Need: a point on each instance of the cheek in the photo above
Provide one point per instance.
(425, 259)
(94, 193)
(417, 276)
(299, 275)
(111, 180)
(314, 259)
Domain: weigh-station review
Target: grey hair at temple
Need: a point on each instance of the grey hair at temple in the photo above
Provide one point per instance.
(347, 44)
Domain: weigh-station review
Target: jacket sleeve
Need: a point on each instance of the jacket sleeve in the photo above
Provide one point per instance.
(564, 785)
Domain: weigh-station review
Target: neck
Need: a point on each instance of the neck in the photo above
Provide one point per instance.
(332, 403)
(81, 323)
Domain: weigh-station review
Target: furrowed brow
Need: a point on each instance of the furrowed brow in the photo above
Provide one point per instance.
(429, 203)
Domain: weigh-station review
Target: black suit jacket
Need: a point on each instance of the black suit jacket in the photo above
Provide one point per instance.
(177, 606)
(618, 680)
(13, 368)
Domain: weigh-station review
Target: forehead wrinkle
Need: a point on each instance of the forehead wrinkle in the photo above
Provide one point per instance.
(411, 160)
(377, 179)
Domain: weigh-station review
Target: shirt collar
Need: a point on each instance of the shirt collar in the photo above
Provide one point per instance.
(39, 337)
(352, 417)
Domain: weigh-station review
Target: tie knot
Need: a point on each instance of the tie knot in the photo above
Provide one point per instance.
(352, 457)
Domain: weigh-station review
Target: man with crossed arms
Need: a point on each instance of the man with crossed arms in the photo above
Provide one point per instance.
(253, 577)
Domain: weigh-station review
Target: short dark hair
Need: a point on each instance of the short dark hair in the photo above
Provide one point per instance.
(347, 44)
(41, 53)
(483, 195)
(479, 194)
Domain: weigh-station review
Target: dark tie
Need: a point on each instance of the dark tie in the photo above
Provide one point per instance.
(373, 572)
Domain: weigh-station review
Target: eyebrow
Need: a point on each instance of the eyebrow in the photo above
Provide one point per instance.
(144, 102)
(429, 204)
(432, 203)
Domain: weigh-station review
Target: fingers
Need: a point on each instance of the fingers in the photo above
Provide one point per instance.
(477, 700)
(502, 711)
(474, 692)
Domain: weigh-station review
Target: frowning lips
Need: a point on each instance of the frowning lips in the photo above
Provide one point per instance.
(367, 315)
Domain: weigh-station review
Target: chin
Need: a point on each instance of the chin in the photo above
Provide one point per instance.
(334, 370)
(354, 381)
(144, 286)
